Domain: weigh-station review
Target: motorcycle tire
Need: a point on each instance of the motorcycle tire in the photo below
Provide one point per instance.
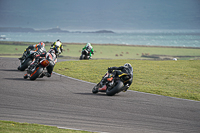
(36, 73)
(115, 89)
(81, 57)
(95, 89)
(18, 68)
(25, 65)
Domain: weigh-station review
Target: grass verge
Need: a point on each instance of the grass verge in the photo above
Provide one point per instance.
(169, 78)
(108, 51)
(15, 127)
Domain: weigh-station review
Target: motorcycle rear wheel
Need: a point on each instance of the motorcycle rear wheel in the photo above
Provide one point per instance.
(36, 74)
(115, 89)
(25, 65)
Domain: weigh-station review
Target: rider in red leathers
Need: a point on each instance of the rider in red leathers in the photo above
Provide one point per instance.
(50, 56)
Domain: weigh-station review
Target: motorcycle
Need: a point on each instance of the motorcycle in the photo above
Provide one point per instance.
(26, 59)
(111, 84)
(85, 55)
(37, 71)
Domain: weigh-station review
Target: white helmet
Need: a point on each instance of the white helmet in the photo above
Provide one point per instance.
(89, 46)
(128, 65)
(51, 51)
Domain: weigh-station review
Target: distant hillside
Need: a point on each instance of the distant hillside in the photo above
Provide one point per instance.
(16, 29)
(19, 29)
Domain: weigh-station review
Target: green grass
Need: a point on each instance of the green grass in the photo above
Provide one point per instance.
(105, 51)
(169, 78)
(129, 52)
(15, 127)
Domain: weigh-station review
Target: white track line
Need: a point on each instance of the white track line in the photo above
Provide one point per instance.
(80, 129)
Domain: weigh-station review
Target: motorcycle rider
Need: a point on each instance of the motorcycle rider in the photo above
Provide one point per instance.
(89, 48)
(50, 56)
(127, 68)
(57, 45)
(40, 47)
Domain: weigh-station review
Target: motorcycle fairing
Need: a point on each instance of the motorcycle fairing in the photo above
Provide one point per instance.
(34, 71)
(125, 77)
(103, 88)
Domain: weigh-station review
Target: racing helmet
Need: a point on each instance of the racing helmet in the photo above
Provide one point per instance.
(58, 40)
(88, 46)
(128, 65)
(51, 51)
(42, 44)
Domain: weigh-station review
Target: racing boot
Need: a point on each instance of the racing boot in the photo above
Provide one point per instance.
(47, 74)
(22, 58)
(125, 88)
(42, 75)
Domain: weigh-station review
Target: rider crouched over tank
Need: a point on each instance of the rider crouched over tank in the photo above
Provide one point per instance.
(39, 48)
(50, 56)
(29, 55)
(58, 46)
(87, 52)
(126, 69)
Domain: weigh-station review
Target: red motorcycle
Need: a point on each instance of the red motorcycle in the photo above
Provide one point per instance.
(37, 71)
(112, 85)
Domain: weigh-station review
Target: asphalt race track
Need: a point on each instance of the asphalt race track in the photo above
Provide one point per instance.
(64, 102)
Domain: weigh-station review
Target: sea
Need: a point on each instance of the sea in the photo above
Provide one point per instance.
(177, 38)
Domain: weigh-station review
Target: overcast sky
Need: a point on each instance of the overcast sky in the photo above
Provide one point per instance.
(101, 14)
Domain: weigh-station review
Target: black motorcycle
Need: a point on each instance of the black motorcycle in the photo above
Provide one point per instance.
(111, 84)
(26, 59)
(85, 55)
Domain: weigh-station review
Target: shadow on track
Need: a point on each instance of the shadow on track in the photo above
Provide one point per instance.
(10, 70)
(15, 79)
(98, 94)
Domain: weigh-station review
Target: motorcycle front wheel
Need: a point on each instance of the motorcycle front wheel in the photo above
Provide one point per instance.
(115, 89)
(36, 73)
(95, 89)
(82, 57)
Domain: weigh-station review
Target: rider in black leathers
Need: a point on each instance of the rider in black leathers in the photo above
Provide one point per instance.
(127, 68)
(39, 48)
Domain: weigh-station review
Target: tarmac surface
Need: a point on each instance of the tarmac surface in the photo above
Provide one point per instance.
(68, 103)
